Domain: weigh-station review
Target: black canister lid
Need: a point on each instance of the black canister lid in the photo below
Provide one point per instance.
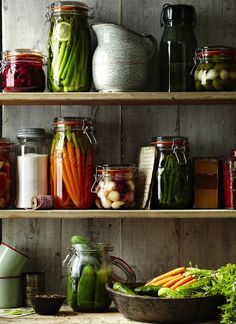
(178, 13)
(31, 132)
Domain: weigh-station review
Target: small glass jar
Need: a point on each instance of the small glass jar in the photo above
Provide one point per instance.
(31, 165)
(23, 71)
(173, 180)
(115, 186)
(69, 59)
(229, 181)
(89, 269)
(72, 162)
(215, 68)
(7, 155)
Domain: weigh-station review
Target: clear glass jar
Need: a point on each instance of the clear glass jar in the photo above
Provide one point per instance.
(115, 186)
(229, 181)
(89, 269)
(7, 168)
(72, 162)
(69, 58)
(31, 165)
(177, 47)
(215, 68)
(22, 71)
(173, 180)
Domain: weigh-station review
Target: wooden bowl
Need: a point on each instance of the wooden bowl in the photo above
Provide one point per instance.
(166, 310)
(47, 304)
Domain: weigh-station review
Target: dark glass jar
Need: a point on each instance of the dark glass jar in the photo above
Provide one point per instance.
(115, 186)
(215, 68)
(69, 58)
(72, 162)
(7, 185)
(173, 180)
(23, 71)
(32, 159)
(177, 47)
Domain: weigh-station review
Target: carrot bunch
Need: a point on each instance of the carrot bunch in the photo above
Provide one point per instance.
(71, 170)
(172, 279)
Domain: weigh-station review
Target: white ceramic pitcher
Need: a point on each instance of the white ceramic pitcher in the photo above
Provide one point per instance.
(120, 61)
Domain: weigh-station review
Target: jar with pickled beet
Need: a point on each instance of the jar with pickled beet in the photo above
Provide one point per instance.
(72, 162)
(215, 69)
(69, 59)
(7, 185)
(22, 71)
(173, 177)
(115, 186)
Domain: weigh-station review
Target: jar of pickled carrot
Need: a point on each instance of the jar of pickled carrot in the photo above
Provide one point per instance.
(72, 162)
(22, 71)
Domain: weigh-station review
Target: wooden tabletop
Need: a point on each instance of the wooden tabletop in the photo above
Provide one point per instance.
(66, 315)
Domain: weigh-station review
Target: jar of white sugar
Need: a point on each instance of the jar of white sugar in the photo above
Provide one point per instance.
(31, 165)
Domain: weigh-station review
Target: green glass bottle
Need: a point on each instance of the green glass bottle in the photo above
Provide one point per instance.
(177, 47)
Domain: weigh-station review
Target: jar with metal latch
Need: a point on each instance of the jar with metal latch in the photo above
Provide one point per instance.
(22, 71)
(173, 177)
(115, 186)
(69, 59)
(215, 68)
(89, 269)
(72, 162)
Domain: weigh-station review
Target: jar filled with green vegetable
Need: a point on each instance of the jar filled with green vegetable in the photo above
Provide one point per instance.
(173, 177)
(69, 47)
(177, 47)
(89, 269)
(72, 162)
(215, 68)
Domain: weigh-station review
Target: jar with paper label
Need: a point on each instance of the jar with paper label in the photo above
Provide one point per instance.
(173, 177)
(31, 165)
(72, 162)
(115, 186)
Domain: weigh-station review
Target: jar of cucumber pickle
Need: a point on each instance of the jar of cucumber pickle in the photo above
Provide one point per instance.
(173, 179)
(215, 68)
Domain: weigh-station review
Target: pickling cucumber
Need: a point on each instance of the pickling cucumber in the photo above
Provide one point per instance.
(71, 294)
(122, 288)
(168, 293)
(147, 290)
(85, 290)
(102, 300)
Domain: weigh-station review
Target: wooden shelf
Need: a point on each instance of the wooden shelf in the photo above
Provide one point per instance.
(117, 98)
(121, 214)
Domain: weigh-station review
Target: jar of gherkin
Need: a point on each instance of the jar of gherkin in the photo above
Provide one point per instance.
(72, 162)
(173, 174)
(69, 47)
(215, 68)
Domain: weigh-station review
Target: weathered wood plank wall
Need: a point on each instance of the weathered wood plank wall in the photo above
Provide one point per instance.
(150, 246)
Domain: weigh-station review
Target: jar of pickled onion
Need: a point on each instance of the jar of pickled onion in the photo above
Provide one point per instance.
(22, 71)
(72, 162)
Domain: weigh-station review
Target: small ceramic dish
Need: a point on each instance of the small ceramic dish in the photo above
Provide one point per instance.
(47, 304)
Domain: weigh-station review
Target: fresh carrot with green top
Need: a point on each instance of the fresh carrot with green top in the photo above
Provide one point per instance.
(168, 274)
(173, 281)
(181, 282)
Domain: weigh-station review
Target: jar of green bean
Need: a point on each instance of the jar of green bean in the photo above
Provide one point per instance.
(173, 175)
(69, 65)
(215, 68)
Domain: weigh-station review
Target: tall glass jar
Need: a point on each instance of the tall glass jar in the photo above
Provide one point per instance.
(173, 180)
(177, 47)
(7, 185)
(23, 71)
(72, 162)
(31, 165)
(229, 181)
(215, 68)
(115, 186)
(69, 47)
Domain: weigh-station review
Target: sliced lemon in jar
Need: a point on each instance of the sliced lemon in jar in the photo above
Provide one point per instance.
(62, 31)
